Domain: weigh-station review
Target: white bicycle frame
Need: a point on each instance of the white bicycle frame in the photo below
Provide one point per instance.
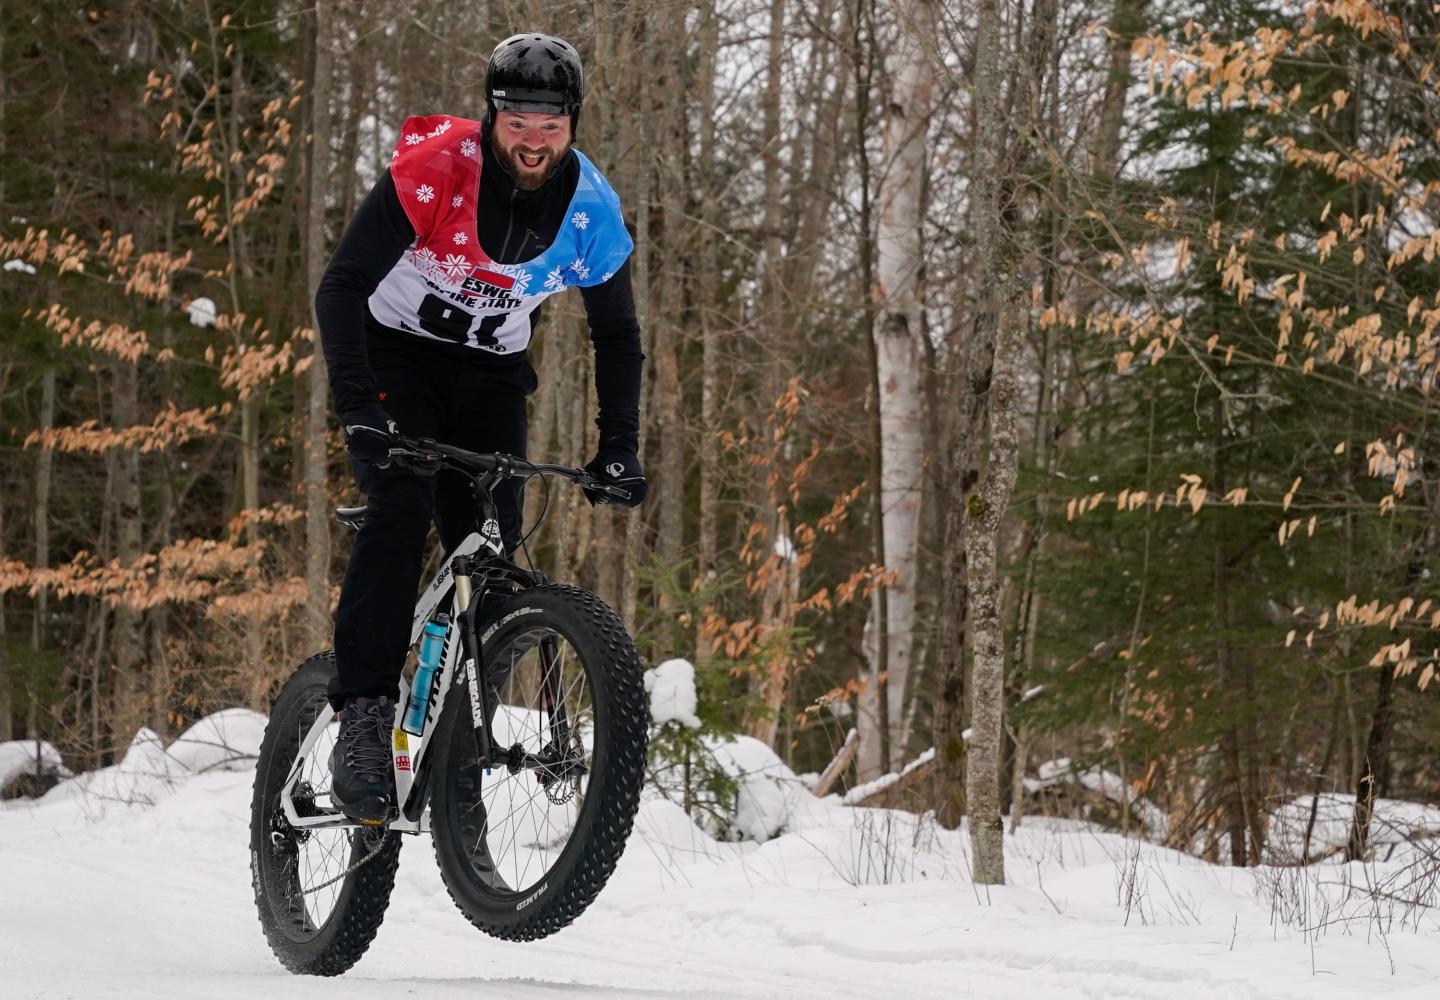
(406, 749)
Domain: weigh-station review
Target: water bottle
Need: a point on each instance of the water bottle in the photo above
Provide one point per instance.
(432, 645)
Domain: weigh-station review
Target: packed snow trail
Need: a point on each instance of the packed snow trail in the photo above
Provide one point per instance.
(102, 899)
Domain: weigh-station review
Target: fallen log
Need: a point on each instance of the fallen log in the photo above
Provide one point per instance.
(838, 765)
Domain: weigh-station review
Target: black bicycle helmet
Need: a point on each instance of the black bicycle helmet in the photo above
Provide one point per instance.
(534, 72)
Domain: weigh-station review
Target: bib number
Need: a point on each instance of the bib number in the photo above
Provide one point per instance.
(446, 320)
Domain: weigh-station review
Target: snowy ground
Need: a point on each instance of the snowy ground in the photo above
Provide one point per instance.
(103, 899)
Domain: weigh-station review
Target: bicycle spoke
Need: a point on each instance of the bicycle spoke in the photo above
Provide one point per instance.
(543, 710)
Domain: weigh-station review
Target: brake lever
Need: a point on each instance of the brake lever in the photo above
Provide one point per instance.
(425, 463)
(604, 489)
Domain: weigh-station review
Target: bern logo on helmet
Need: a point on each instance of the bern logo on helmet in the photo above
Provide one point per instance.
(614, 469)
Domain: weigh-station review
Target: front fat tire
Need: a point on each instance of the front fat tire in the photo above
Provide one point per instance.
(613, 793)
(338, 943)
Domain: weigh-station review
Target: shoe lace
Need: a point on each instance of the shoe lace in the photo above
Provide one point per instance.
(365, 733)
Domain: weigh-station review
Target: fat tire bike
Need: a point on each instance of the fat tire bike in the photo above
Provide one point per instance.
(526, 771)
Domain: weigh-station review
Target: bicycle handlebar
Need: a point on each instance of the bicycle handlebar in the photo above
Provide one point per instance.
(429, 453)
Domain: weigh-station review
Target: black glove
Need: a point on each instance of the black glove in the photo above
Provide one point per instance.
(369, 434)
(616, 467)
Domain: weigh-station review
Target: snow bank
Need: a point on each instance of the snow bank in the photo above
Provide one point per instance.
(769, 798)
(144, 776)
(228, 740)
(769, 795)
(671, 690)
(672, 840)
(22, 758)
(1394, 822)
(150, 772)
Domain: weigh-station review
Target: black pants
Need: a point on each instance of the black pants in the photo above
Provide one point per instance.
(481, 408)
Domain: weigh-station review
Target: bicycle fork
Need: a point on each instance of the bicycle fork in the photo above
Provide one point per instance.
(480, 707)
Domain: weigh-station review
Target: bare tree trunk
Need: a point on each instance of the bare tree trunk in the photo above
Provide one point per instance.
(1125, 23)
(6, 702)
(132, 687)
(1377, 746)
(706, 294)
(766, 688)
(633, 527)
(44, 470)
(666, 394)
(317, 499)
(1234, 794)
(228, 112)
(898, 304)
(1000, 273)
(576, 525)
(1332, 740)
(6, 679)
(1374, 776)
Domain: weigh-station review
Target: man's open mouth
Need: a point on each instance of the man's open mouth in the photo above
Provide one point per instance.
(531, 160)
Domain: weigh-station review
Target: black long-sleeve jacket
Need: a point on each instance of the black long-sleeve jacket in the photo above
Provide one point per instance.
(514, 226)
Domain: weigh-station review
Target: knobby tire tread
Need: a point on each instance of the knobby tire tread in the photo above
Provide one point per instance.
(619, 797)
(365, 893)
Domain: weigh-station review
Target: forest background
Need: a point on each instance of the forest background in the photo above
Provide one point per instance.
(1033, 381)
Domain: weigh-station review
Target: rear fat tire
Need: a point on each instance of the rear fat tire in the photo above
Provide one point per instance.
(613, 788)
(338, 943)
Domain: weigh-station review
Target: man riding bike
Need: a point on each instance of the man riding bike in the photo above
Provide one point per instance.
(425, 314)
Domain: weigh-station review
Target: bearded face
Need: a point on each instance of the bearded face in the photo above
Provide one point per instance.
(530, 145)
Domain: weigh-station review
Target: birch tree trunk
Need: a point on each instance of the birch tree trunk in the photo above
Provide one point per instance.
(898, 389)
(317, 500)
(1000, 275)
(131, 685)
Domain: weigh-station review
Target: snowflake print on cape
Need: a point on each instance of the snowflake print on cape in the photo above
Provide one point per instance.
(522, 281)
(580, 220)
(554, 281)
(467, 147)
(456, 265)
(414, 139)
(425, 261)
(440, 129)
(578, 266)
(425, 194)
(606, 276)
(459, 239)
(457, 201)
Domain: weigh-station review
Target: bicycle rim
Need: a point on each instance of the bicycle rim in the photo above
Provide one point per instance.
(312, 861)
(516, 823)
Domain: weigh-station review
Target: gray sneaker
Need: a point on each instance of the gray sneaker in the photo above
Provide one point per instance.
(363, 786)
